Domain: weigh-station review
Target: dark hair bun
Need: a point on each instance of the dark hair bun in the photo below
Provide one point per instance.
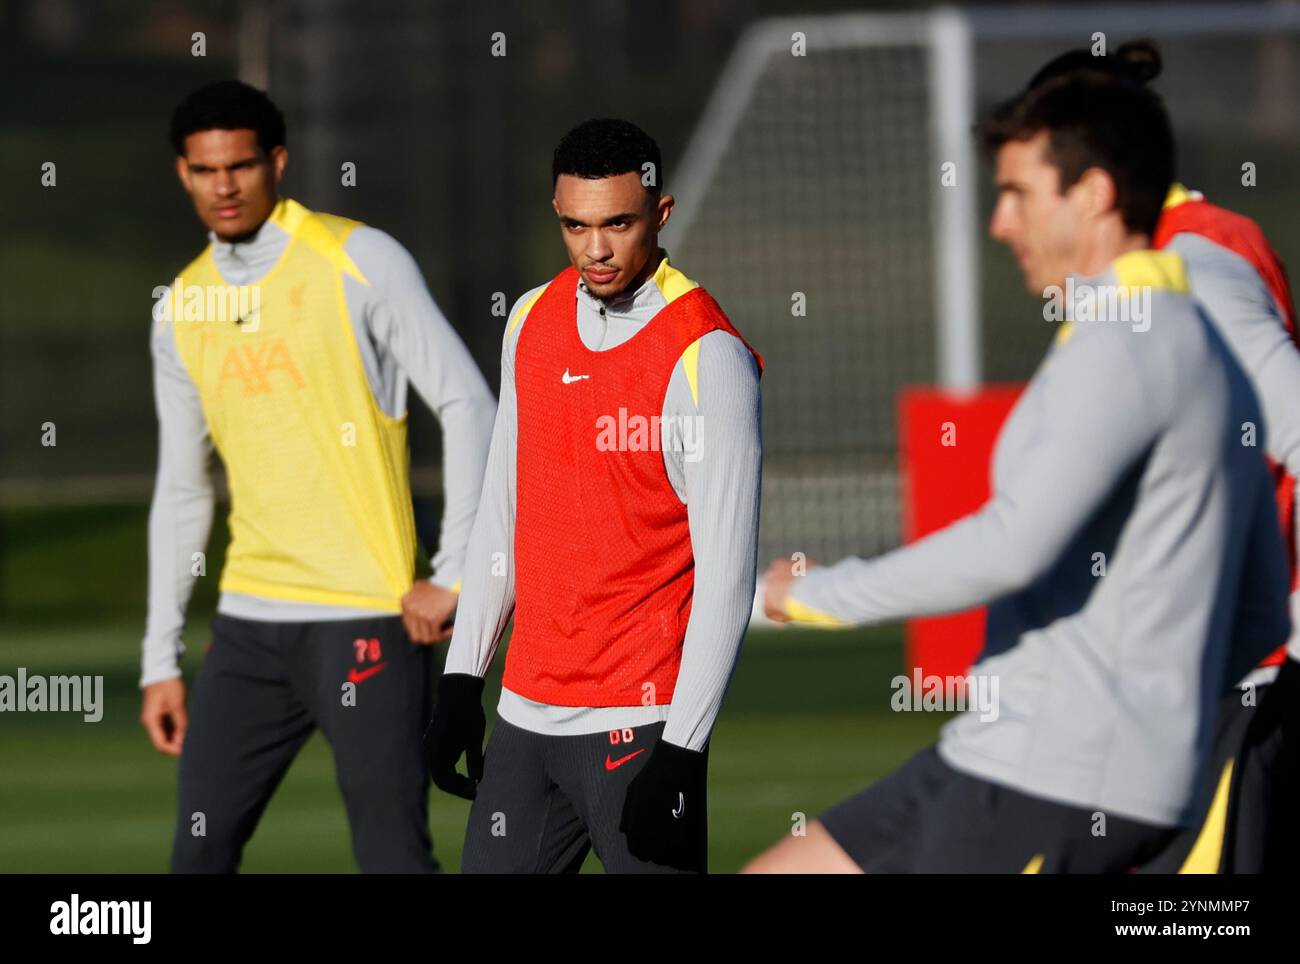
(1137, 61)
(1141, 59)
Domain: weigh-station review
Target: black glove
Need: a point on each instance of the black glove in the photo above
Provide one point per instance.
(664, 814)
(457, 727)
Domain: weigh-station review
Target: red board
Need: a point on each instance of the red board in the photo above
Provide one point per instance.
(946, 448)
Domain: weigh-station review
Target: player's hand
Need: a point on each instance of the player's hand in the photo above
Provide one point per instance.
(426, 612)
(457, 728)
(778, 581)
(664, 816)
(163, 714)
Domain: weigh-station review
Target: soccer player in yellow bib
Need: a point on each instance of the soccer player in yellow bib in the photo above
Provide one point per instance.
(287, 345)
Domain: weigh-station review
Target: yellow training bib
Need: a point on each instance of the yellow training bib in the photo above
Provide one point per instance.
(319, 474)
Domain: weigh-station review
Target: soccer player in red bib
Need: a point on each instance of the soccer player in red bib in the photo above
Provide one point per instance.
(619, 523)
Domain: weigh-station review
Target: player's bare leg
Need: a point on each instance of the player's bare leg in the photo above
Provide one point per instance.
(815, 853)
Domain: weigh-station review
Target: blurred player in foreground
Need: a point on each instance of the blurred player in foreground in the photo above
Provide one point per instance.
(1126, 446)
(302, 390)
(619, 523)
(1248, 800)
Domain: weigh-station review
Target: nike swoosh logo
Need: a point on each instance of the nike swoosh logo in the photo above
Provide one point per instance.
(681, 805)
(359, 677)
(615, 764)
(569, 379)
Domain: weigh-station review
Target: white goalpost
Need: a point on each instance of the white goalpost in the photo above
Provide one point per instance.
(832, 199)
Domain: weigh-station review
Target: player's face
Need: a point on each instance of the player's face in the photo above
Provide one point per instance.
(231, 180)
(1032, 217)
(611, 227)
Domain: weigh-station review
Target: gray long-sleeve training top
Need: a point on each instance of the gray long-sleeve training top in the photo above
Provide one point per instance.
(1130, 555)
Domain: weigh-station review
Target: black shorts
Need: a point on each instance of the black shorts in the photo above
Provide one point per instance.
(546, 801)
(1244, 812)
(927, 817)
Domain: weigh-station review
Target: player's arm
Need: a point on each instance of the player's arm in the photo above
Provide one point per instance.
(1100, 419)
(487, 598)
(488, 590)
(1243, 308)
(404, 318)
(722, 480)
(719, 458)
(180, 520)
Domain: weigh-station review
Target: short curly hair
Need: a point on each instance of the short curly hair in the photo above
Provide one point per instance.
(607, 147)
(228, 105)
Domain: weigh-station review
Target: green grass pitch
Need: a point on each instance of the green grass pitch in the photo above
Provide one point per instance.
(807, 721)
